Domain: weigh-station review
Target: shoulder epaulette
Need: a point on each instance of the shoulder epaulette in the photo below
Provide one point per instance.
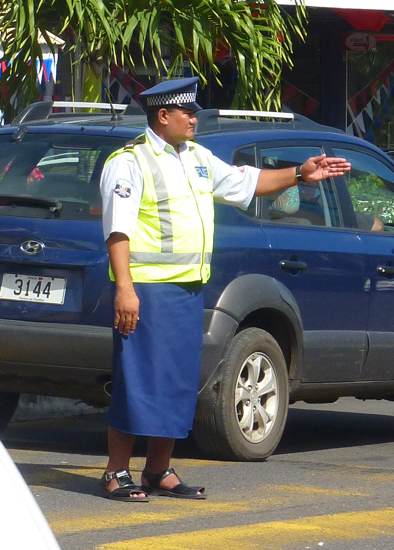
(139, 140)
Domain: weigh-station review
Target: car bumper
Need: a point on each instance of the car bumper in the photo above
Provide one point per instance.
(55, 359)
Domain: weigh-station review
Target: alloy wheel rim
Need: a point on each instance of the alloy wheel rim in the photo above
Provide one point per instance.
(256, 397)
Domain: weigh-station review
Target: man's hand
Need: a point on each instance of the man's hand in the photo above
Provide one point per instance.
(126, 302)
(318, 168)
(313, 170)
(126, 305)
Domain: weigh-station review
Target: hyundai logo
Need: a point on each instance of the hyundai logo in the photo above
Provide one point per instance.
(32, 247)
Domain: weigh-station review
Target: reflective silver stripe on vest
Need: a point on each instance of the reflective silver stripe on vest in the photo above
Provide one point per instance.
(175, 258)
(163, 203)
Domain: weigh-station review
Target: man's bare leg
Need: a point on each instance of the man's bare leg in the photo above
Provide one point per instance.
(158, 458)
(120, 448)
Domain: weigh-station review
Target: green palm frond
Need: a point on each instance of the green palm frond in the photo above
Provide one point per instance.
(137, 32)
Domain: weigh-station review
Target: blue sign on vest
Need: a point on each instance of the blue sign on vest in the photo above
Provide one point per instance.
(202, 171)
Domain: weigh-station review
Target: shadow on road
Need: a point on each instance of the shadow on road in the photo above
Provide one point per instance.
(312, 430)
(70, 478)
(306, 430)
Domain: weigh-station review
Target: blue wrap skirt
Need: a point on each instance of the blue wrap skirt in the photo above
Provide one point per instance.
(156, 369)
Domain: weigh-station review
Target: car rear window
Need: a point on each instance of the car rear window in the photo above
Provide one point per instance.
(43, 170)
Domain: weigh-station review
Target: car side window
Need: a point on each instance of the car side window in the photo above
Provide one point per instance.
(371, 188)
(305, 204)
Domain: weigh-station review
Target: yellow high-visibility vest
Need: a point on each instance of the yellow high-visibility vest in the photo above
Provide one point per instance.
(173, 238)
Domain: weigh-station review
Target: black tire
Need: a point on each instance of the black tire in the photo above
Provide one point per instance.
(8, 405)
(220, 424)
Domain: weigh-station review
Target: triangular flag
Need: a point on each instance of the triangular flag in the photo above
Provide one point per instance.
(367, 121)
(375, 103)
(385, 88)
(47, 69)
(360, 122)
(39, 70)
(54, 66)
(349, 130)
(383, 95)
(369, 110)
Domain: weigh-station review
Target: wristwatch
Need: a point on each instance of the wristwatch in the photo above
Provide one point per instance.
(298, 175)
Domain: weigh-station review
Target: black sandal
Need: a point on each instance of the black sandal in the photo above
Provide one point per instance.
(179, 491)
(126, 488)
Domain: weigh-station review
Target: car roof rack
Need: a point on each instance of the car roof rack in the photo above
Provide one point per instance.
(35, 111)
(249, 113)
(43, 110)
(210, 120)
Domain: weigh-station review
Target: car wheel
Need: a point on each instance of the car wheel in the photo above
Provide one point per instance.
(8, 405)
(248, 416)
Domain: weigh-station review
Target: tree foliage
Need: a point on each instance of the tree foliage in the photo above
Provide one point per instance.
(139, 31)
(372, 195)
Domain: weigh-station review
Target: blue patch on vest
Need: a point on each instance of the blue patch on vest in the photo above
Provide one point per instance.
(122, 190)
(202, 171)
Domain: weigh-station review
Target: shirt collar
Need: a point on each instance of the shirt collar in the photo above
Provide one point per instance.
(159, 145)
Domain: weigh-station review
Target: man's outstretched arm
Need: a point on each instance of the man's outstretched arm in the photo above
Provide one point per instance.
(313, 170)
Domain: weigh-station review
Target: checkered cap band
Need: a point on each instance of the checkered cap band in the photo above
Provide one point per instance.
(169, 99)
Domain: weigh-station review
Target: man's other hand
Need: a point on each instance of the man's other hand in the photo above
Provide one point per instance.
(126, 307)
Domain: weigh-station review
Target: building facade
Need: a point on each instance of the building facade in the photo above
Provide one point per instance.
(344, 73)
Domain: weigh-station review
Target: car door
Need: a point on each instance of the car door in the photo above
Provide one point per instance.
(322, 264)
(371, 189)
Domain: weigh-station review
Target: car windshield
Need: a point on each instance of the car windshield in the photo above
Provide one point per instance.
(53, 175)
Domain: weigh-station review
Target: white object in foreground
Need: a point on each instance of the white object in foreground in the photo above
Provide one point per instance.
(23, 525)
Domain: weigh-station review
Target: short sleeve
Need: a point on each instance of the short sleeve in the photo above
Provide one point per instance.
(234, 185)
(121, 190)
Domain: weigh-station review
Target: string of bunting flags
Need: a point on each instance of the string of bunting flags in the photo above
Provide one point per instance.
(45, 74)
(366, 107)
(123, 86)
(47, 71)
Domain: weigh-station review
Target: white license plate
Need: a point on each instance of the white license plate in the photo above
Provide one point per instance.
(33, 288)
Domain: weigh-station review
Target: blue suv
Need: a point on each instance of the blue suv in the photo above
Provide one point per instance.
(299, 307)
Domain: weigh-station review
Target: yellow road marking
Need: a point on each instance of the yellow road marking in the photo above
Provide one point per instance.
(312, 490)
(274, 535)
(140, 515)
(175, 510)
(382, 477)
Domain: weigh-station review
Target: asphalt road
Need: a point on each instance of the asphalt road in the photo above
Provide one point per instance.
(329, 486)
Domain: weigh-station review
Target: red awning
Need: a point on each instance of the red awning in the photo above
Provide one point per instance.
(363, 5)
(365, 20)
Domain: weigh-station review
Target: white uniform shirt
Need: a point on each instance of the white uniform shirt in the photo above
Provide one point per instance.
(122, 184)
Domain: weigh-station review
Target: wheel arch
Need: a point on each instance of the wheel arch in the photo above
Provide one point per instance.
(253, 300)
(278, 324)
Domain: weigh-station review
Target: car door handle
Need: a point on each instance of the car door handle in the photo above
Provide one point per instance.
(292, 265)
(385, 270)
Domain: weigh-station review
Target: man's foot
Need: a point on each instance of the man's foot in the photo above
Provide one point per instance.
(119, 485)
(169, 484)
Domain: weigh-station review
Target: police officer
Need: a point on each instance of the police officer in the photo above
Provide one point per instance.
(158, 196)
